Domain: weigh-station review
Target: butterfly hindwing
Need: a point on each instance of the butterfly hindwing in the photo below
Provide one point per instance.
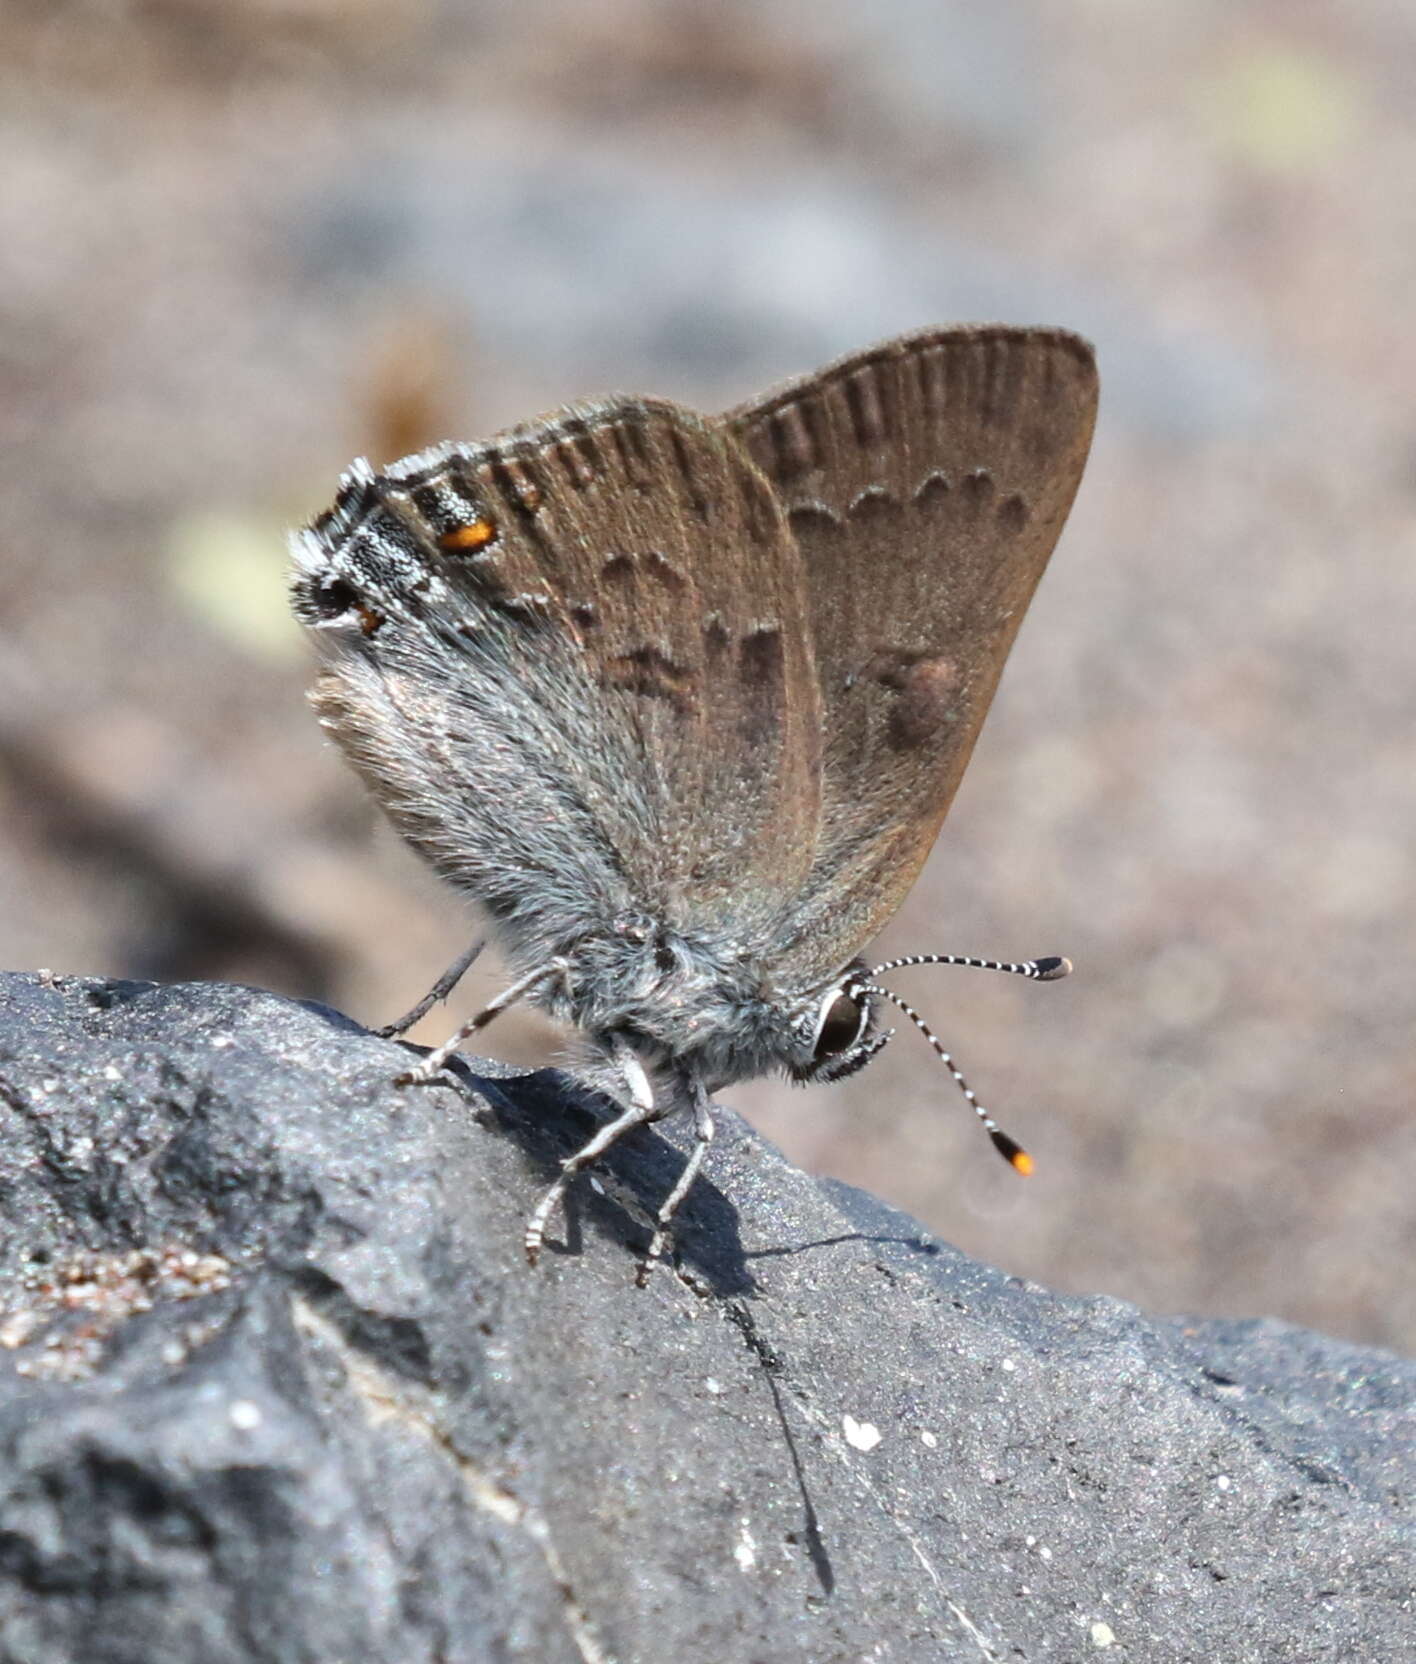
(582, 647)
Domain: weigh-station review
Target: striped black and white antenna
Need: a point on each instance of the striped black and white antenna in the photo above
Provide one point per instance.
(1048, 969)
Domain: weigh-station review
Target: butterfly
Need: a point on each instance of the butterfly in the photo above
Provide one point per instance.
(681, 701)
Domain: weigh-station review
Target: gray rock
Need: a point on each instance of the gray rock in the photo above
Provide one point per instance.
(276, 1384)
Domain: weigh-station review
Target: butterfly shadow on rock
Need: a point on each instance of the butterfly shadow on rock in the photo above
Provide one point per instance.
(551, 1115)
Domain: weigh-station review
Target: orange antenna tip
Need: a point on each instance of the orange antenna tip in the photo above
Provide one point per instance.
(1012, 1152)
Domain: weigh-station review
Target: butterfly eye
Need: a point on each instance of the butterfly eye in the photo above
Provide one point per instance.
(841, 1024)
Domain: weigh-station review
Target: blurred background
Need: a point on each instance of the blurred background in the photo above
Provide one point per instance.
(241, 243)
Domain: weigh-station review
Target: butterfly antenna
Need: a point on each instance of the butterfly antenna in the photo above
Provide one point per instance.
(1050, 969)
(1011, 1151)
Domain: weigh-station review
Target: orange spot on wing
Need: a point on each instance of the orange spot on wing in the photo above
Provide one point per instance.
(463, 540)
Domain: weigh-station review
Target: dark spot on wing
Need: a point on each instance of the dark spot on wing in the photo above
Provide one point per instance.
(871, 506)
(1013, 513)
(518, 482)
(978, 488)
(933, 489)
(652, 673)
(661, 567)
(811, 519)
(760, 656)
(761, 667)
(926, 687)
(626, 569)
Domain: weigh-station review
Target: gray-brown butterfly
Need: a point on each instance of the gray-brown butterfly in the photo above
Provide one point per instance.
(681, 701)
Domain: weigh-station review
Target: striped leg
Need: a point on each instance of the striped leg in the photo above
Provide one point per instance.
(433, 1064)
(641, 1109)
(439, 991)
(703, 1137)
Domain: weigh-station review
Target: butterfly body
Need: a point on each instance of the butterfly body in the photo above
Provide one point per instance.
(681, 701)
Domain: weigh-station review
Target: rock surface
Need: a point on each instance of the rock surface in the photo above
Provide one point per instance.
(277, 1385)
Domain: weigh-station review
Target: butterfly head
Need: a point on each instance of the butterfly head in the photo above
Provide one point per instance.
(843, 1041)
(836, 1036)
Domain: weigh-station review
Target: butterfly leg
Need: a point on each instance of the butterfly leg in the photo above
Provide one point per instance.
(642, 1108)
(703, 1137)
(439, 991)
(433, 1064)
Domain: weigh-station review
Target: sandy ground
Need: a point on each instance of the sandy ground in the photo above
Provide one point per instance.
(241, 243)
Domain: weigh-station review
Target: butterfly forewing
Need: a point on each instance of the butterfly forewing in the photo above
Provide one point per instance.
(925, 482)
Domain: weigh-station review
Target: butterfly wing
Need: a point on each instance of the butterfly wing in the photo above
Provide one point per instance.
(574, 664)
(926, 482)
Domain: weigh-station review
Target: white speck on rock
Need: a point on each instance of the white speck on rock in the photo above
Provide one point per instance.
(860, 1435)
(746, 1551)
(245, 1415)
(18, 1328)
(928, 1440)
(1102, 1634)
(1223, 1482)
